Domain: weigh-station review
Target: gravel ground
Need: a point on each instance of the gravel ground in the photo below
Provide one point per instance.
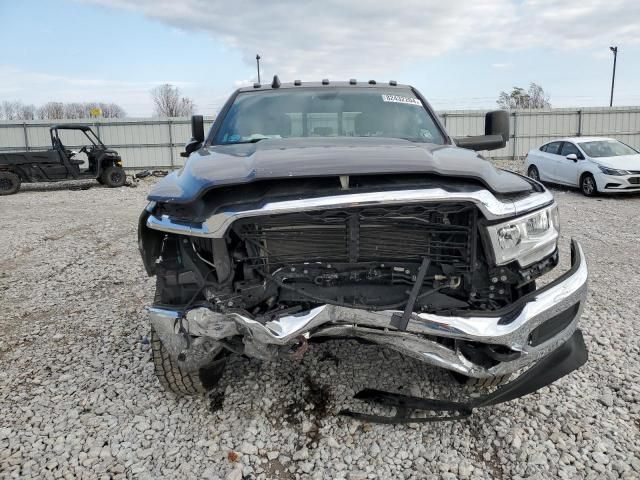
(78, 397)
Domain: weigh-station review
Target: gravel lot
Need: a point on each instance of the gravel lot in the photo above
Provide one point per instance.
(78, 397)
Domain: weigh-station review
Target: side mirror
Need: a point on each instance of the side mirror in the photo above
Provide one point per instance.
(197, 136)
(496, 133)
(197, 128)
(497, 123)
(572, 156)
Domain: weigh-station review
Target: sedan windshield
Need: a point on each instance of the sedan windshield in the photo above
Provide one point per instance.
(328, 112)
(607, 148)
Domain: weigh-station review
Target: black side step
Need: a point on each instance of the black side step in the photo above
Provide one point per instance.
(562, 361)
(405, 405)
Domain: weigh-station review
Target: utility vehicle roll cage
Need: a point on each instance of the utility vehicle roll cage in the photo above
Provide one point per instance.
(93, 138)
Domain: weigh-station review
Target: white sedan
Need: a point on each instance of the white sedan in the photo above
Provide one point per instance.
(594, 164)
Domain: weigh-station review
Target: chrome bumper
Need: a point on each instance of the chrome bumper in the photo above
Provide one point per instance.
(512, 327)
(492, 208)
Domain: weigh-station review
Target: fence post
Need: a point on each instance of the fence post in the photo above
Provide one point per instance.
(515, 134)
(579, 123)
(170, 144)
(26, 136)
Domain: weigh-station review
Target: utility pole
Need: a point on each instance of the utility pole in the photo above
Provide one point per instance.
(258, 65)
(613, 78)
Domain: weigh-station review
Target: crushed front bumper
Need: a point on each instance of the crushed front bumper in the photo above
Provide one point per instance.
(531, 328)
(570, 356)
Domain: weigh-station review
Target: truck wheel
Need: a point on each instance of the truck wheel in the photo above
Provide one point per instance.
(480, 383)
(114, 176)
(9, 183)
(174, 379)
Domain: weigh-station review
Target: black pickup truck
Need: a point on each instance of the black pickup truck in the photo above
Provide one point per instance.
(61, 163)
(337, 210)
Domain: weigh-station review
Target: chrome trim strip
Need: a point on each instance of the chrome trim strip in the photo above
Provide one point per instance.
(331, 320)
(217, 225)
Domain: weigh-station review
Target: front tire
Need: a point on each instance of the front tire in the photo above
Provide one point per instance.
(9, 183)
(588, 185)
(114, 176)
(176, 380)
(533, 173)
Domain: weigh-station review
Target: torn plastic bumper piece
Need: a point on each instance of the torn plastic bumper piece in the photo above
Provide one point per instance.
(568, 357)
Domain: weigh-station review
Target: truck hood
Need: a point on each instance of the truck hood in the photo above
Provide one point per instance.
(239, 164)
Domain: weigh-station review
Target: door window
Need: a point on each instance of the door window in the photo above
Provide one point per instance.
(554, 148)
(569, 148)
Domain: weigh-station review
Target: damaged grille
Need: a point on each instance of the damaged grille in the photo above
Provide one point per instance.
(445, 233)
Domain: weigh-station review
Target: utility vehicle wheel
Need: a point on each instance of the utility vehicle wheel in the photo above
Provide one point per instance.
(182, 383)
(114, 176)
(588, 185)
(480, 383)
(9, 183)
(533, 173)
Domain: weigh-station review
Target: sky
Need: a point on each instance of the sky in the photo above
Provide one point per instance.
(459, 54)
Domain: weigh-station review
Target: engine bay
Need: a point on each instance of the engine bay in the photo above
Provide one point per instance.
(360, 257)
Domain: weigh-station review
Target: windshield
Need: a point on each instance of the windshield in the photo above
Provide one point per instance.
(328, 112)
(607, 148)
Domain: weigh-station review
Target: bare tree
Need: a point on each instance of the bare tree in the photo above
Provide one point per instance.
(10, 110)
(51, 111)
(75, 110)
(169, 102)
(112, 110)
(16, 111)
(533, 98)
(26, 112)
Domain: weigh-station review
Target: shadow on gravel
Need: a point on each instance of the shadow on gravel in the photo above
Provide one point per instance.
(57, 186)
(306, 395)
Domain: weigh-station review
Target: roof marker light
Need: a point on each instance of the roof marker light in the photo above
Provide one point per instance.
(325, 81)
(353, 81)
(276, 82)
(372, 82)
(256, 85)
(297, 83)
(393, 83)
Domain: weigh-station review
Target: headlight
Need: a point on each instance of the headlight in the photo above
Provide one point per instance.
(527, 239)
(612, 171)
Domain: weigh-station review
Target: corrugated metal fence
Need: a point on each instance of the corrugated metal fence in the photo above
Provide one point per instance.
(142, 143)
(157, 142)
(531, 128)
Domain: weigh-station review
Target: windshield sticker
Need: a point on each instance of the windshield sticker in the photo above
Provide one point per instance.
(401, 99)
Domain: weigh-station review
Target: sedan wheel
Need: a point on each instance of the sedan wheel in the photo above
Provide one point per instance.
(588, 185)
(533, 173)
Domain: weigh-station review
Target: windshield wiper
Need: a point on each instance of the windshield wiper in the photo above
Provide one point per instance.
(409, 139)
(414, 139)
(253, 140)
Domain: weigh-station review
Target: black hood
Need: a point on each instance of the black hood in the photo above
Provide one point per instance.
(222, 165)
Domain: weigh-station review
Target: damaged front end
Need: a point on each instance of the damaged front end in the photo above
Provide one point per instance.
(444, 275)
